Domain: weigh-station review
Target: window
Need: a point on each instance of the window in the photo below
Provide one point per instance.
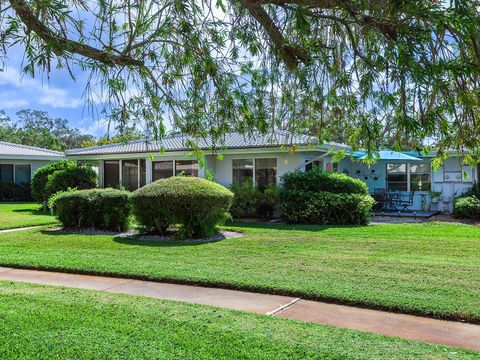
(242, 170)
(186, 167)
(397, 178)
(23, 174)
(6, 173)
(313, 164)
(409, 177)
(265, 172)
(110, 173)
(130, 174)
(162, 170)
(332, 167)
(420, 177)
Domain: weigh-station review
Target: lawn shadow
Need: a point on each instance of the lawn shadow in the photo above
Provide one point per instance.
(286, 227)
(142, 239)
(159, 241)
(31, 211)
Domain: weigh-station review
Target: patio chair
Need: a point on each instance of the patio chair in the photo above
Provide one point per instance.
(404, 200)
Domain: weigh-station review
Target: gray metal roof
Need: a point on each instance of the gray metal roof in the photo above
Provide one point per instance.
(23, 151)
(181, 143)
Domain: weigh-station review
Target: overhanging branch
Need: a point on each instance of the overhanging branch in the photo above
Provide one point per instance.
(62, 44)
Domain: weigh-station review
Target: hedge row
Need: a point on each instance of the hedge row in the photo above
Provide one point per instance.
(317, 180)
(318, 197)
(308, 207)
(106, 209)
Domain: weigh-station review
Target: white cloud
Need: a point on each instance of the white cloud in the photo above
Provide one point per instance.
(96, 128)
(17, 90)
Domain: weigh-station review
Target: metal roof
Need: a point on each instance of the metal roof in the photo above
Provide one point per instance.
(23, 151)
(392, 155)
(181, 143)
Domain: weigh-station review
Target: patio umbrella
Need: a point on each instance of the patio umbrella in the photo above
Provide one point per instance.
(392, 155)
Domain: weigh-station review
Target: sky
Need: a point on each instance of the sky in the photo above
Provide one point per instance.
(58, 94)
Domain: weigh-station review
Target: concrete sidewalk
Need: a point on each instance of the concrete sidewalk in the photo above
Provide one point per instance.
(380, 322)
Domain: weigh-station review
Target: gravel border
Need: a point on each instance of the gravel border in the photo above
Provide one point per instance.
(135, 235)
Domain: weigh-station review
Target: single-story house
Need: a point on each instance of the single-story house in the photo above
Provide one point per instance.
(266, 158)
(17, 165)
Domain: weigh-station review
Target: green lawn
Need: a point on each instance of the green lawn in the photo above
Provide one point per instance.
(430, 269)
(44, 322)
(21, 214)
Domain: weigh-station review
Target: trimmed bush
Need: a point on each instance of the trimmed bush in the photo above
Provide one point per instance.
(317, 180)
(104, 209)
(304, 207)
(72, 177)
(317, 197)
(467, 207)
(196, 204)
(40, 178)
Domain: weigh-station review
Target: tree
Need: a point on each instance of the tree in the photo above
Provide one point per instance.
(38, 128)
(404, 68)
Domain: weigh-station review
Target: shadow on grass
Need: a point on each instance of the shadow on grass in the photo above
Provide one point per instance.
(285, 227)
(166, 242)
(31, 212)
(137, 239)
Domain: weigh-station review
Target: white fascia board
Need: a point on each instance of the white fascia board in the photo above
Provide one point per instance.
(32, 158)
(183, 154)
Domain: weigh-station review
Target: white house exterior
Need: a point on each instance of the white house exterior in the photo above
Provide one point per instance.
(18, 163)
(265, 159)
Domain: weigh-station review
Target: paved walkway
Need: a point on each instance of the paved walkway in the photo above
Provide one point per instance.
(380, 322)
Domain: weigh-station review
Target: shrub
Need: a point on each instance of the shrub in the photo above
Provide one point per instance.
(105, 209)
(317, 197)
(246, 199)
(317, 180)
(73, 177)
(40, 178)
(197, 205)
(249, 201)
(467, 207)
(323, 207)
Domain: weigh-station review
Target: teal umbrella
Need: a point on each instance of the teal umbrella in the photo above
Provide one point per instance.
(392, 155)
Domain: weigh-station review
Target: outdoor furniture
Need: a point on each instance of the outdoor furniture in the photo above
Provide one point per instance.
(403, 200)
(382, 198)
(392, 200)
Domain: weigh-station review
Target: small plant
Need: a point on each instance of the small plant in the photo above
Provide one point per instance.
(197, 205)
(434, 196)
(105, 209)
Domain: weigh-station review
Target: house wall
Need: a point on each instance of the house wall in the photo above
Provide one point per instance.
(222, 168)
(375, 177)
(36, 164)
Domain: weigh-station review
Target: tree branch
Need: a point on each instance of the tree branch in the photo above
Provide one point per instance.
(62, 44)
(290, 54)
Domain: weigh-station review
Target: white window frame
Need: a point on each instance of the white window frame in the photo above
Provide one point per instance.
(408, 175)
(254, 167)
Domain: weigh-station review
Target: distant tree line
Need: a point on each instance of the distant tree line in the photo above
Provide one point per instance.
(38, 128)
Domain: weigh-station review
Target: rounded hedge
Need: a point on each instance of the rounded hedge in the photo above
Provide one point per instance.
(104, 209)
(318, 197)
(71, 177)
(317, 180)
(40, 178)
(196, 204)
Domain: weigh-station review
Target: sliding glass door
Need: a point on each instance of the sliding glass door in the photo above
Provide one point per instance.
(130, 174)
